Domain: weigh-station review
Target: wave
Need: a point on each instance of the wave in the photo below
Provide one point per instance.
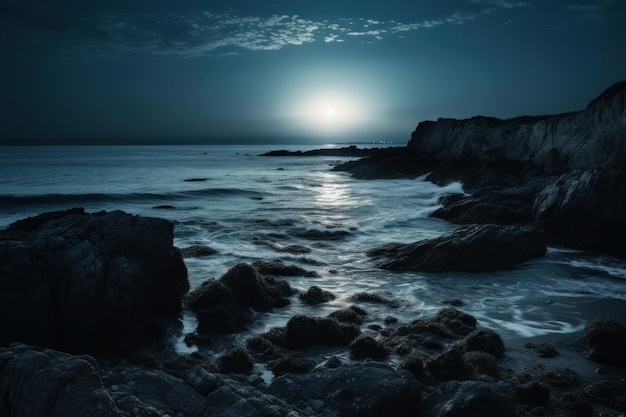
(57, 199)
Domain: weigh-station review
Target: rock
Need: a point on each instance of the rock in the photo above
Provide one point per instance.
(502, 205)
(606, 340)
(196, 251)
(484, 341)
(201, 380)
(279, 268)
(315, 295)
(224, 305)
(42, 382)
(366, 297)
(305, 331)
(476, 248)
(293, 249)
(352, 314)
(236, 361)
(585, 209)
(534, 393)
(447, 366)
(101, 282)
(482, 365)
(510, 167)
(469, 399)
(290, 363)
(351, 150)
(414, 364)
(366, 347)
(544, 350)
(582, 140)
(314, 234)
(365, 389)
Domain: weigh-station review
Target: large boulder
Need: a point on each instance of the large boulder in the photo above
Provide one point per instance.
(606, 340)
(474, 248)
(225, 305)
(101, 282)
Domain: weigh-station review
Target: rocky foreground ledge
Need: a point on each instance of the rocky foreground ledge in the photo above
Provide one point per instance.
(104, 285)
(565, 174)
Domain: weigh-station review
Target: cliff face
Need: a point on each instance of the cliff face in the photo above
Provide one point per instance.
(577, 191)
(591, 138)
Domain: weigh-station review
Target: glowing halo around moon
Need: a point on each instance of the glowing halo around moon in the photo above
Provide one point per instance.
(330, 113)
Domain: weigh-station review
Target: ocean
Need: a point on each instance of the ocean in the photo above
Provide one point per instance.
(232, 199)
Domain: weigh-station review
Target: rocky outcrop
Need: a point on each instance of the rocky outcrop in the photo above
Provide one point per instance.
(475, 248)
(226, 305)
(101, 282)
(585, 209)
(565, 173)
(585, 140)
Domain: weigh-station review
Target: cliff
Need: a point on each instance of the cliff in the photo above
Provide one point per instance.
(589, 139)
(565, 173)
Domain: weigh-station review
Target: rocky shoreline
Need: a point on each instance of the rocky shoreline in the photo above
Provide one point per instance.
(87, 300)
(565, 174)
(445, 365)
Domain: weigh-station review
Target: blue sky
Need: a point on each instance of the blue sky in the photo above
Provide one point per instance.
(293, 71)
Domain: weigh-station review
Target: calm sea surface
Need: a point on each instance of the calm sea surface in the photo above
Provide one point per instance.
(239, 198)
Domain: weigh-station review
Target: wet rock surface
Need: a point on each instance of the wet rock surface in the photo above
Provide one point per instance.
(563, 173)
(224, 305)
(474, 248)
(106, 281)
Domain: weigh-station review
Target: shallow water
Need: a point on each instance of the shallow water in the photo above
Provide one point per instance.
(239, 198)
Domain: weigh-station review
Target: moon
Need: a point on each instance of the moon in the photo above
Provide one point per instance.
(330, 113)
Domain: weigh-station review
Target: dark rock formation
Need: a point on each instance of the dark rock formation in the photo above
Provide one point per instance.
(366, 347)
(367, 389)
(101, 282)
(349, 151)
(606, 340)
(469, 248)
(316, 295)
(280, 268)
(223, 305)
(236, 361)
(304, 331)
(585, 209)
(367, 297)
(483, 340)
(470, 399)
(195, 251)
(566, 173)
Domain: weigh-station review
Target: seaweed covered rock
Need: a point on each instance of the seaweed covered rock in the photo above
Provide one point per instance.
(474, 248)
(100, 282)
(223, 305)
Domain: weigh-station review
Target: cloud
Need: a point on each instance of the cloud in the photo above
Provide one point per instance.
(195, 34)
(593, 10)
(502, 3)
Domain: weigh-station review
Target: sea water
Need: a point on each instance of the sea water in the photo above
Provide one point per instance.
(230, 198)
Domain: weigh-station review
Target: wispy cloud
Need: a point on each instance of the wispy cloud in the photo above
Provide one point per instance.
(502, 3)
(207, 33)
(594, 10)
